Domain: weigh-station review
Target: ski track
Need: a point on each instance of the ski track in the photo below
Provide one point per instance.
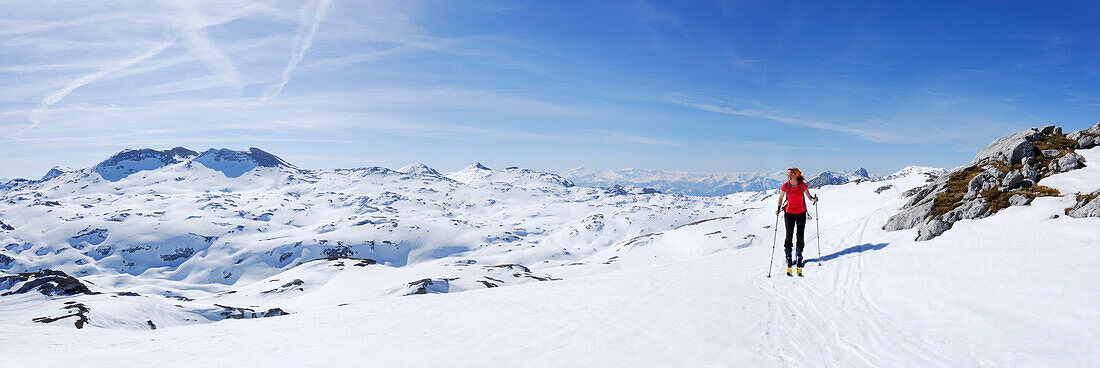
(855, 331)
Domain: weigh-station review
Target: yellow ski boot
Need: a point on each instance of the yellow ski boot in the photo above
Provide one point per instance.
(799, 272)
(788, 270)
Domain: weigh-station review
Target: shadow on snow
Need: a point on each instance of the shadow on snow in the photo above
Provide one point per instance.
(867, 247)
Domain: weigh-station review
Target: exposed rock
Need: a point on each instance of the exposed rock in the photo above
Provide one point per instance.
(74, 309)
(245, 313)
(6, 261)
(909, 218)
(1018, 200)
(883, 188)
(970, 210)
(992, 181)
(984, 181)
(179, 253)
(6, 227)
(428, 286)
(1087, 206)
(1086, 142)
(47, 282)
(90, 235)
(932, 229)
(1010, 149)
(1094, 130)
(341, 251)
(1068, 162)
(287, 286)
(995, 172)
(513, 266)
(1011, 181)
(1030, 173)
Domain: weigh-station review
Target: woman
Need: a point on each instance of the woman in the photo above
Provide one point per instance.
(795, 214)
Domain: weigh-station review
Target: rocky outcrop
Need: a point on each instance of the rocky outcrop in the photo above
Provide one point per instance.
(6, 261)
(1010, 149)
(1087, 206)
(77, 311)
(1005, 173)
(229, 312)
(428, 286)
(47, 282)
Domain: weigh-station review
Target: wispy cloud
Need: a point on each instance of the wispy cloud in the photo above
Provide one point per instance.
(42, 110)
(868, 134)
(306, 32)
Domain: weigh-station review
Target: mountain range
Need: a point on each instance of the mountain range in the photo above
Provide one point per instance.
(411, 267)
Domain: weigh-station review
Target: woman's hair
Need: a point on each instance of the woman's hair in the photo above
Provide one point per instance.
(798, 173)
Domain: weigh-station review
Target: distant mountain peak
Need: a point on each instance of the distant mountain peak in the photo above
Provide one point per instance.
(418, 168)
(229, 162)
(476, 166)
(129, 161)
(265, 159)
(235, 163)
(55, 171)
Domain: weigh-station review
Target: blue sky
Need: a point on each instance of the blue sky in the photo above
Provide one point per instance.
(678, 85)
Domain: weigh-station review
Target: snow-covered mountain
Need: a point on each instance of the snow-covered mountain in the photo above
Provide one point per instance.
(488, 267)
(676, 182)
(911, 170)
(210, 227)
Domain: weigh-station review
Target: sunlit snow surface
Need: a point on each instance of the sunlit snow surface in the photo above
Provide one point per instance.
(648, 282)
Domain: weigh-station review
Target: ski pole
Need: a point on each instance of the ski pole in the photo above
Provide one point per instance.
(817, 223)
(773, 235)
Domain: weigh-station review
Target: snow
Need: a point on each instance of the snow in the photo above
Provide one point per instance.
(631, 279)
(690, 183)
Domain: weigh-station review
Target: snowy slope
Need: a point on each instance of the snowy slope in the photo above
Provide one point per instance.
(207, 229)
(520, 267)
(695, 295)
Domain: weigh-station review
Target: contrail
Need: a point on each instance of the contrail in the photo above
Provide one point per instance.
(43, 107)
(299, 49)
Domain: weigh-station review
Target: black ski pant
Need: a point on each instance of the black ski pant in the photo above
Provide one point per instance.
(793, 221)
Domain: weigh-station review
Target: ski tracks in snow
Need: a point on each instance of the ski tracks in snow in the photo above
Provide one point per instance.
(813, 322)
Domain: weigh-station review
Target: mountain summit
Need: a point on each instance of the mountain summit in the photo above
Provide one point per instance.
(130, 161)
(231, 163)
(235, 163)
